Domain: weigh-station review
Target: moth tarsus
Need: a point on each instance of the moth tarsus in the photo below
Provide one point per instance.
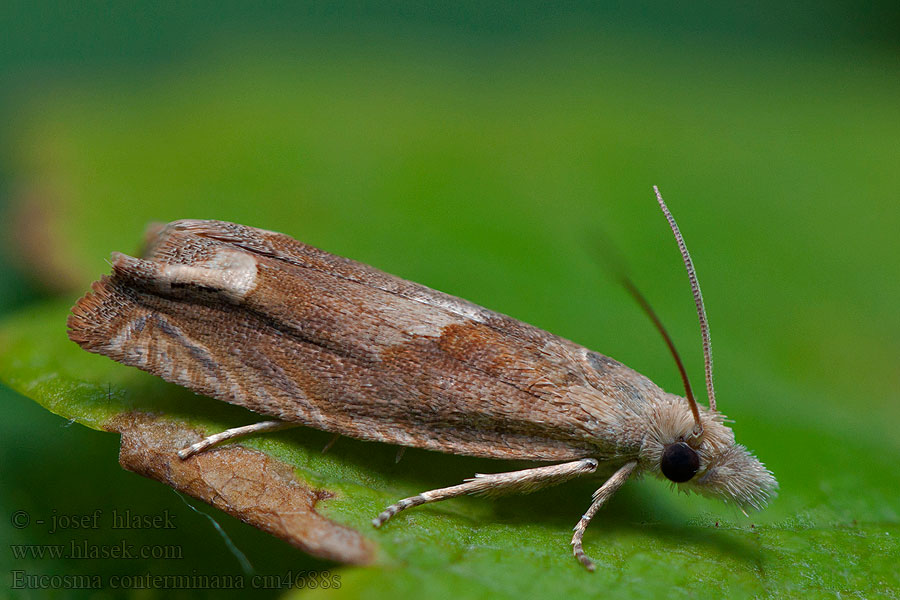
(304, 337)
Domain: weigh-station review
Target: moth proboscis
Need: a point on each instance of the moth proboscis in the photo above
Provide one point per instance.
(258, 319)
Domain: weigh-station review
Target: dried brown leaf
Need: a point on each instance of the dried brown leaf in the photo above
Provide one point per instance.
(244, 483)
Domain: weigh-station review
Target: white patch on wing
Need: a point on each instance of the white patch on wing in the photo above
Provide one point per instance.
(230, 272)
(402, 318)
(454, 305)
(434, 325)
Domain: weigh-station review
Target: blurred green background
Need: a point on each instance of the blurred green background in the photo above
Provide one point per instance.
(481, 149)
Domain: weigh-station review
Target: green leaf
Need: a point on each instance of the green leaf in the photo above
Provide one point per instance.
(445, 184)
(642, 540)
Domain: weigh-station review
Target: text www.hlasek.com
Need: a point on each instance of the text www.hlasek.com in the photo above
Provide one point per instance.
(82, 550)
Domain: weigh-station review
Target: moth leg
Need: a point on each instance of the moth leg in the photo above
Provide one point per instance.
(523, 482)
(600, 497)
(331, 442)
(230, 434)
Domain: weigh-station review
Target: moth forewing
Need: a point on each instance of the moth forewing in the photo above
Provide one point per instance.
(258, 319)
(371, 357)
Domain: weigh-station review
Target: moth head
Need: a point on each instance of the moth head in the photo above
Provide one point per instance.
(710, 463)
(689, 445)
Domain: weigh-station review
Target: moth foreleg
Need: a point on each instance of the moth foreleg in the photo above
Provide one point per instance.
(230, 434)
(600, 497)
(523, 482)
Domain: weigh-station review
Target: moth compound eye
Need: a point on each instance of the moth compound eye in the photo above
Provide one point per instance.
(679, 462)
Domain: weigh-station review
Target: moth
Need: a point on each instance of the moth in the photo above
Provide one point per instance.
(258, 319)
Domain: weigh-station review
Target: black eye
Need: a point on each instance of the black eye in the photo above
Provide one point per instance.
(679, 462)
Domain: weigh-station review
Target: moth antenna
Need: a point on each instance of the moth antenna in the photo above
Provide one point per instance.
(616, 265)
(698, 300)
(645, 305)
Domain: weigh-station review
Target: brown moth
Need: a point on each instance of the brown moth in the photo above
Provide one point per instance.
(258, 319)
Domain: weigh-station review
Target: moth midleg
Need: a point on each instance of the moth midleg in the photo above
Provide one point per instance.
(512, 482)
(230, 434)
(600, 497)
